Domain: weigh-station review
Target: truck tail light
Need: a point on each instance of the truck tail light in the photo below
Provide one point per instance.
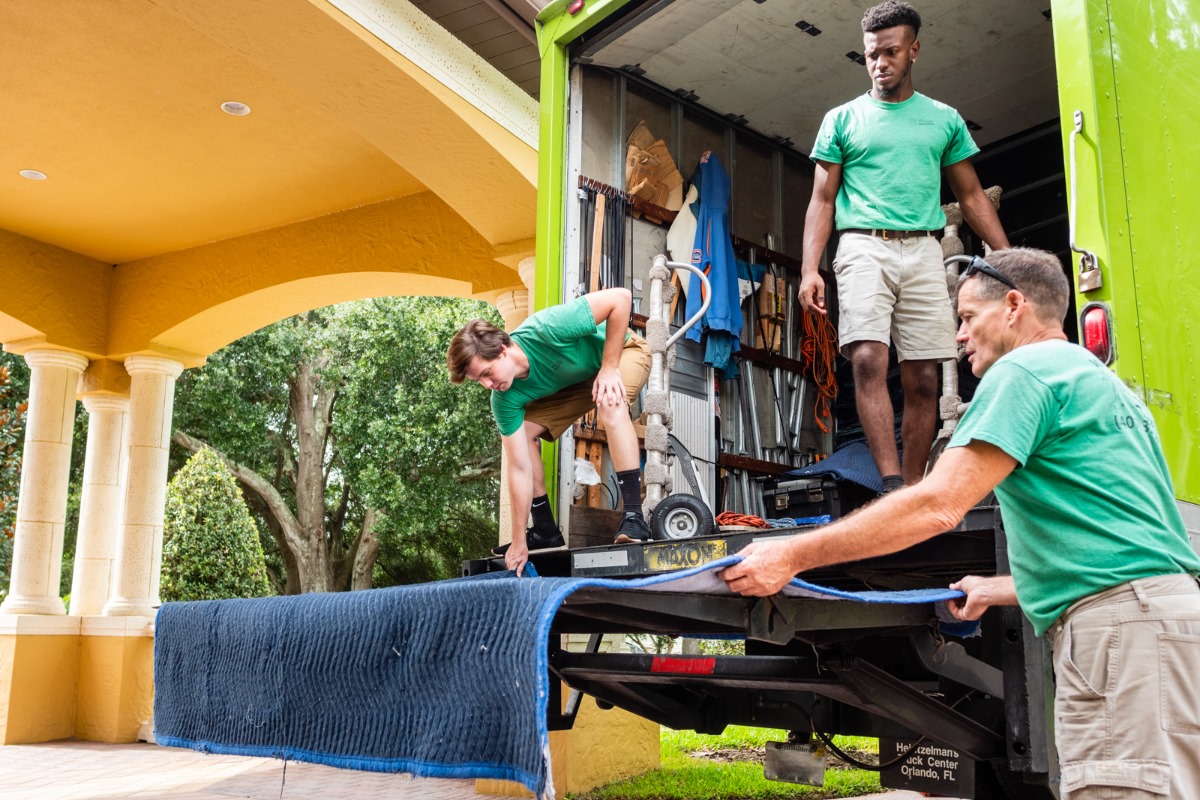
(1096, 329)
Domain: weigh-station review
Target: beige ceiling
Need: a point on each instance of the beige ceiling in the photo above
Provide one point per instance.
(993, 61)
(118, 103)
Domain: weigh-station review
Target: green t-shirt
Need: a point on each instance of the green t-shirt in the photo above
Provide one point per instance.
(892, 155)
(564, 346)
(1090, 504)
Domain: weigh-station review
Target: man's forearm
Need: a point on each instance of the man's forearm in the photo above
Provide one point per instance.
(520, 498)
(892, 523)
(818, 225)
(981, 215)
(614, 342)
(520, 483)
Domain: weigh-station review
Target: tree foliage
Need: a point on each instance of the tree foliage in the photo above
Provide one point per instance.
(365, 464)
(211, 549)
(14, 392)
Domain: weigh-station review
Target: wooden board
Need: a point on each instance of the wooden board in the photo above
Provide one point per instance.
(591, 527)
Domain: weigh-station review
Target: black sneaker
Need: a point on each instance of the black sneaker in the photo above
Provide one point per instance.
(633, 529)
(536, 539)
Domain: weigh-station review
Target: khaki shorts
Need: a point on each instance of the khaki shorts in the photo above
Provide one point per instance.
(894, 290)
(560, 410)
(1127, 700)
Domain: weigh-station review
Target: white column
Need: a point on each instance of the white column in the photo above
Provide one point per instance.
(513, 307)
(139, 552)
(45, 467)
(100, 505)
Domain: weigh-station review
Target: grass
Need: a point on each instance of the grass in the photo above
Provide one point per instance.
(698, 766)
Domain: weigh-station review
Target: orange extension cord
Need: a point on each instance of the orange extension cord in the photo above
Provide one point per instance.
(818, 350)
(744, 520)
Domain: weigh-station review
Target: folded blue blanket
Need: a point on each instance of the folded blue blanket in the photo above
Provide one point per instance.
(446, 679)
(852, 462)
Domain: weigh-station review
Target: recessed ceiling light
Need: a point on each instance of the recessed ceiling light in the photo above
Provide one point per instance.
(33, 174)
(235, 108)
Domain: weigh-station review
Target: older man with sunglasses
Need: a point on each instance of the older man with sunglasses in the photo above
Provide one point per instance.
(1100, 557)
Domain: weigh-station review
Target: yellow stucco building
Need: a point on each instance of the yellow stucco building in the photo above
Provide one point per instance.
(175, 175)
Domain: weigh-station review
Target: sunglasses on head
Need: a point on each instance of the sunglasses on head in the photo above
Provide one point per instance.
(979, 265)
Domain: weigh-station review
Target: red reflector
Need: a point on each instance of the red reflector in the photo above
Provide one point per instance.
(687, 666)
(1097, 332)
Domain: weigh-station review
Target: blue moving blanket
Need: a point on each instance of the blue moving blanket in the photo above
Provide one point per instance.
(445, 679)
(853, 462)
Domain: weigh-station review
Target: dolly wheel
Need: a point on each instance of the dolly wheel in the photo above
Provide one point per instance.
(681, 516)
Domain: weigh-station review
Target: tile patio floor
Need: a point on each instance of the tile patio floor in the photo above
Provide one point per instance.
(77, 770)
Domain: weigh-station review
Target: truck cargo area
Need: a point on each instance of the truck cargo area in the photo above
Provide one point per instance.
(749, 81)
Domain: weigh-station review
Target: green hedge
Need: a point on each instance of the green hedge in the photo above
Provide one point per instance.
(211, 549)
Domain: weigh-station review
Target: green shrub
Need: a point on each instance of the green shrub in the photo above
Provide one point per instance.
(211, 549)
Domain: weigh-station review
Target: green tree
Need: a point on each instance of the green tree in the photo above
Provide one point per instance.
(211, 549)
(14, 391)
(364, 463)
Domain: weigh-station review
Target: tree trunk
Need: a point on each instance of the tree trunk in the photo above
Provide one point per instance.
(311, 406)
(291, 576)
(365, 553)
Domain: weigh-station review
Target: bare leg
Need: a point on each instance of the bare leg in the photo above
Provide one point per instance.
(537, 470)
(875, 412)
(622, 438)
(920, 382)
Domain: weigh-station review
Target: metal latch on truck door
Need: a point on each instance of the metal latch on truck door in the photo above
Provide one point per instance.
(1089, 266)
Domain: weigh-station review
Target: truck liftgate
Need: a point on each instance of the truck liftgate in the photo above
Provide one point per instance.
(965, 718)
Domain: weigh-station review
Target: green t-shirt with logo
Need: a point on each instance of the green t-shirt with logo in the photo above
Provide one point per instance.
(564, 346)
(1090, 504)
(892, 155)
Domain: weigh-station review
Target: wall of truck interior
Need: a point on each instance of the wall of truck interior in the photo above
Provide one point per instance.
(743, 433)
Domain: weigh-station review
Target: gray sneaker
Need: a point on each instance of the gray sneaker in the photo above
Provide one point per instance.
(536, 539)
(633, 529)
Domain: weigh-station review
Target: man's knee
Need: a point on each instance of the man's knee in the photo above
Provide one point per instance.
(869, 361)
(919, 380)
(613, 415)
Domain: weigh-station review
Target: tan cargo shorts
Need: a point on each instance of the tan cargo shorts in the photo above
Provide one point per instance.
(894, 290)
(560, 410)
(1127, 702)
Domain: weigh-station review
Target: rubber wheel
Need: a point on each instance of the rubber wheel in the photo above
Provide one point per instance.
(681, 516)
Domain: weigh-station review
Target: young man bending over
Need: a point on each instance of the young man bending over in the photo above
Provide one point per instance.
(554, 368)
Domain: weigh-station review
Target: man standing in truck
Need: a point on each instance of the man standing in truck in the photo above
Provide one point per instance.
(1101, 560)
(879, 160)
(555, 367)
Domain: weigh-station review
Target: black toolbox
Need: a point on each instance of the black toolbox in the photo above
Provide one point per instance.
(802, 498)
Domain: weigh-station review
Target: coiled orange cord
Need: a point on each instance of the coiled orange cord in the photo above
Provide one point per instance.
(818, 349)
(744, 520)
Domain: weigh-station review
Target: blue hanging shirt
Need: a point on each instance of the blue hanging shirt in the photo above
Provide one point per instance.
(713, 253)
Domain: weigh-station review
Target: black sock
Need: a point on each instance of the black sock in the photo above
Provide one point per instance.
(543, 517)
(892, 482)
(630, 482)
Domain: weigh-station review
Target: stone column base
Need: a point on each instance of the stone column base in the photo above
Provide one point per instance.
(116, 678)
(39, 670)
(604, 746)
(75, 677)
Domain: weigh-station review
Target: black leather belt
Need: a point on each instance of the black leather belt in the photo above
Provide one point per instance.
(884, 233)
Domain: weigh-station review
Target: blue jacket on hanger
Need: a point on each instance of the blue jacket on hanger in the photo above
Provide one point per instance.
(713, 253)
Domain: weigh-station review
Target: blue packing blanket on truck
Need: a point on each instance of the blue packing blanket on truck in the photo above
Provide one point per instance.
(445, 679)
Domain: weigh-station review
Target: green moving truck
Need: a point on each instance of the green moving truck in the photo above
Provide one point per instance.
(1086, 112)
